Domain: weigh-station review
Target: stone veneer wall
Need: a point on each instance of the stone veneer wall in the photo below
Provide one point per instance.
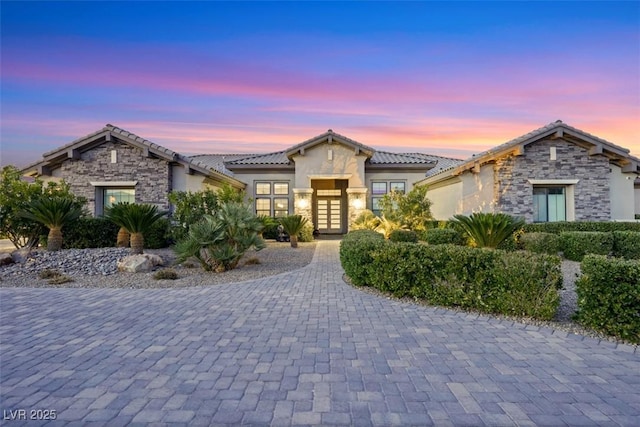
(152, 175)
(514, 193)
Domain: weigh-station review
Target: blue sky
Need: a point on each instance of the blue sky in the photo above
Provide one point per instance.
(447, 78)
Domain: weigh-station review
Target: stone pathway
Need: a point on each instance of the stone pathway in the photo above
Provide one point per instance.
(299, 348)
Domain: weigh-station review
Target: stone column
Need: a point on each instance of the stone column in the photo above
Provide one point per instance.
(357, 202)
(302, 203)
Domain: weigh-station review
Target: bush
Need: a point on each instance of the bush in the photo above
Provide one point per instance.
(355, 254)
(158, 235)
(609, 296)
(403, 236)
(90, 232)
(443, 236)
(488, 230)
(541, 243)
(492, 281)
(560, 227)
(306, 234)
(166, 274)
(626, 244)
(577, 244)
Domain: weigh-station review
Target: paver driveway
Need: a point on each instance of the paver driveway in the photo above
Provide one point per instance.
(298, 348)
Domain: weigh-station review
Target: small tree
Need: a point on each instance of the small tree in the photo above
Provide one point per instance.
(219, 241)
(116, 214)
(488, 230)
(412, 210)
(137, 219)
(293, 225)
(53, 213)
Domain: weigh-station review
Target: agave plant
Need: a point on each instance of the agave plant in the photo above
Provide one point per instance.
(137, 219)
(219, 241)
(54, 213)
(116, 214)
(293, 225)
(488, 230)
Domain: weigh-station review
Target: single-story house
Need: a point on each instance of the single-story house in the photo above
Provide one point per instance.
(554, 173)
(557, 171)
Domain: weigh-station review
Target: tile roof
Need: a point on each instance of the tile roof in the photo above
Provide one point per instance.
(276, 158)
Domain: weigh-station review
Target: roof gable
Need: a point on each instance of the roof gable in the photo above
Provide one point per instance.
(110, 132)
(555, 130)
(329, 137)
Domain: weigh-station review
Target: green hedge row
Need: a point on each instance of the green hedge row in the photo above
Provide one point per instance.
(560, 227)
(443, 236)
(492, 281)
(90, 232)
(609, 296)
(577, 244)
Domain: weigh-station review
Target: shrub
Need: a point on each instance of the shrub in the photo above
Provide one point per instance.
(488, 230)
(560, 227)
(189, 208)
(443, 236)
(219, 241)
(403, 236)
(355, 254)
(410, 210)
(542, 243)
(293, 225)
(367, 220)
(158, 235)
(166, 274)
(48, 273)
(306, 234)
(609, 296)
(493, 281)
(577, 244)
(626, 244)
(90, 232)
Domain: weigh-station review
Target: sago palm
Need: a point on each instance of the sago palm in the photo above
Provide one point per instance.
(293, 225)
(115, 214)
(137, 219)
(54, 213)
(488, 230)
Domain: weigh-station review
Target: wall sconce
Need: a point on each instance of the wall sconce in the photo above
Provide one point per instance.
(303, 202)
(357, 202)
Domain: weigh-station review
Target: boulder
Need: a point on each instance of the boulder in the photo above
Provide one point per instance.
(139, 263)
(5, 258)
(21, 255)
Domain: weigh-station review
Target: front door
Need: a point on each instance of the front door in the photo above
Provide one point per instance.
(329, 214)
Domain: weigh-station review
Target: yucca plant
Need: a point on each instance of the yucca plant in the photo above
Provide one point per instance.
(116, 214)
(219, 241)
(137, 219)
(293, 225)
(54, 213)
(488, 230)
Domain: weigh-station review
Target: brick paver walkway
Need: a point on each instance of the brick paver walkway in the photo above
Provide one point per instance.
(298, 348)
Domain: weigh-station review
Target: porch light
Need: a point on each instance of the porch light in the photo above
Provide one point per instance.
(302, 202)
(357, 202)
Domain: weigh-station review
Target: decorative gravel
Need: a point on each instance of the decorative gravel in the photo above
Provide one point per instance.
(97, 268)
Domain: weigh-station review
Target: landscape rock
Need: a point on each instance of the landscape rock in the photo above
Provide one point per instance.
(139, 263)
(21, 255)
(5, 259)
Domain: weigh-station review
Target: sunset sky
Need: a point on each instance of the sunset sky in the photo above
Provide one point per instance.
(450, 79)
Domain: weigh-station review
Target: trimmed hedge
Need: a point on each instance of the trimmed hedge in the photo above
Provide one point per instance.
(90, 232)
(403, 236)
(492, 281)
(541, 243)
(158, 235)
(577, 244)
(609, 296)
(626, 244)
(560, 227)
(443, 236)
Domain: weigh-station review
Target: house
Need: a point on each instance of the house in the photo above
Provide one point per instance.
(554, 173)
(330, 178)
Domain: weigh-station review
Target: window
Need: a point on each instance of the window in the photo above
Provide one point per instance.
(111, 196)
(549, 204)
(263, 188)
(397, 186)
(380, 188)
(281, 188)
(280, 207)
(263, 206)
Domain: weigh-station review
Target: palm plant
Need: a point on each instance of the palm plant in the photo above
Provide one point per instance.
(137, 219)
(54, 213)
(219, 241)
(116, 214)
(293, 225)
(387, 226)
(367, 220)
(488, 230)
